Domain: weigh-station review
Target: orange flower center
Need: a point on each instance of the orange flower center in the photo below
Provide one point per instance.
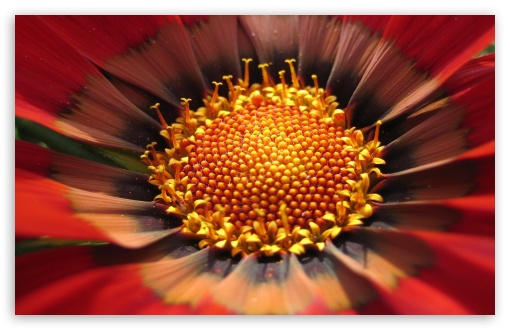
(272, 169)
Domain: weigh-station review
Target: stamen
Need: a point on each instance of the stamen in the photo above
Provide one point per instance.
(295, 81)
(246, 80)
(161, 119)
(284, 85)
(229, 84)
(175, 143)
(214, 98)
(376, 135)
(316, 84)
(187, 115)
(265, 77)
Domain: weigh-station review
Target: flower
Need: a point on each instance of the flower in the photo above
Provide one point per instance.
(402, 107)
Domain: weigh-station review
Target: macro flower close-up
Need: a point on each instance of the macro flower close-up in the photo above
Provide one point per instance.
(255, 164)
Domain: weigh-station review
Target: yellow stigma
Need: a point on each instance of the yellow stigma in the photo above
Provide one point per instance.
(270, 169)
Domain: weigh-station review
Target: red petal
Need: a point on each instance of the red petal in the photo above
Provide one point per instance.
(71, 281)
(215, 46)
(460, 280)
(472, 88)
(43, 209)
(274, 38)
(102, 37)
(48, 71)
(441, 44)
(464, 269)
(151, 52)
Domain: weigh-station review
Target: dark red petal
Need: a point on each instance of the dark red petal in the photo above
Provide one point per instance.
(155, 55)
(377, 23)
(60, 211)
(463, 269)
(275, 39)
(83, 174)
(71, 281)
(316, 54)
(470, 173)
(472, 88)
(48, 71)
(455, 273)
(440, 44)
(58, 88)
(436, 137)
(256, 287)
(42, 209)
(215, 46)
(103, 37)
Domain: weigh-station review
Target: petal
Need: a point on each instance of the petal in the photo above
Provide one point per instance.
(215, 46)
(470, 173)
(153, 53)
(256, 287)
(72, 213)
(79, 102)
(83, 174)
(472, 88)
(462, 280)
(274, 38)
(87, 280)
(48, 206)
(441, 44)
(470, 215)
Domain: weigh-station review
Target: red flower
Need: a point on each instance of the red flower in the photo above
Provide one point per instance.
(385, 207)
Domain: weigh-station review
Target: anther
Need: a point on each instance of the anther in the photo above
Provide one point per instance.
(229, 84)
(187, 114)
(161, 119)
(171, 131)
(376, 135)
(214, 98)
(265, 77)
(284, 85)
(295, 81)
(246, 80)
(316, 84)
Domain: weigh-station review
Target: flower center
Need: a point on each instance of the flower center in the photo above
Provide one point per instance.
(272, 169)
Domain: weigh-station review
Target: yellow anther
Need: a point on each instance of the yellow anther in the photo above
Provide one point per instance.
(214, 98)
(295, 81)
(187, 114)
(171, 131)
(229, 83)
(315, 84)
(376, 135)
(246, 80)
(284, 85)
(161, 119)
(265, 76)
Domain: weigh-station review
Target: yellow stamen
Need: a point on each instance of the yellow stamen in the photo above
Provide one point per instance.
(295, 81)
(316, 84)
(376, 135)
(246, 80)
(161, 119)
(265, 77)
(214, 98)
(187, 115)
(229, 84)
(284, 85)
